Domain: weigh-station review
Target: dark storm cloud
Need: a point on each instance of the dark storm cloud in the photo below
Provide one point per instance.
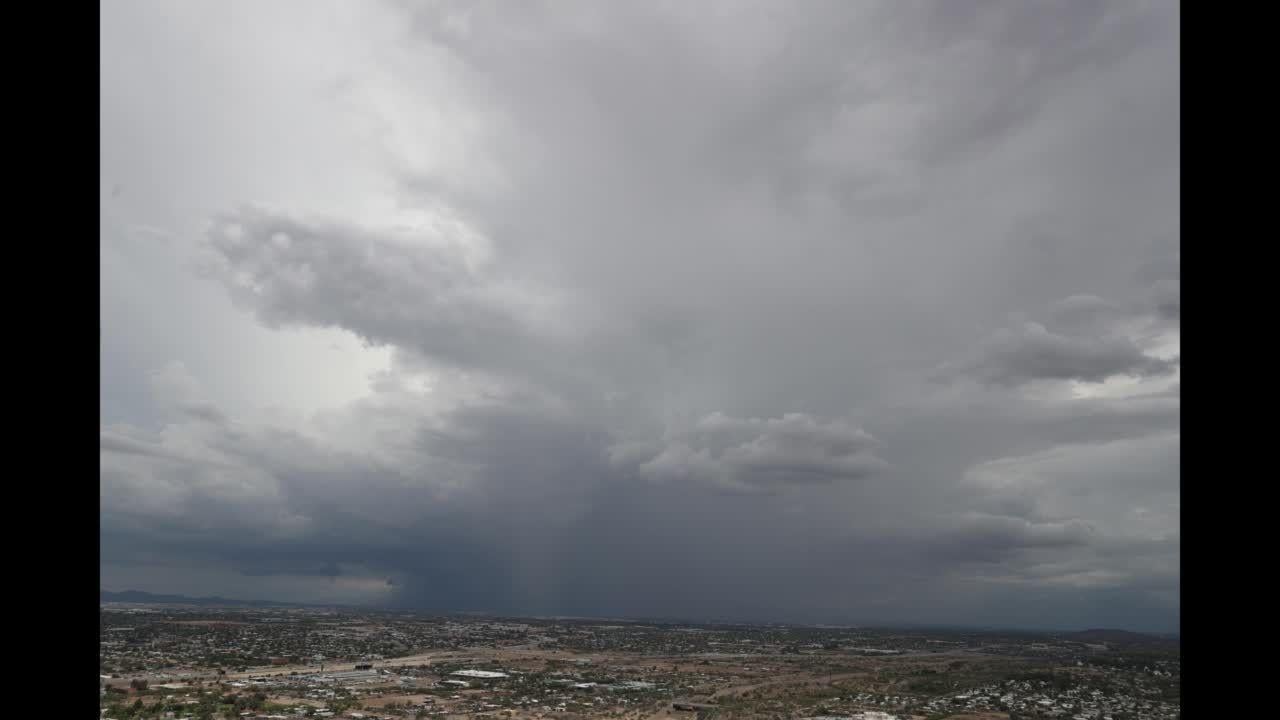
(111, 443)
(207, 413)
(1083, 311)
(1032, 352)
(753, 452)
(545, 527)
(1164, 275)
(388, 292)
(662, 309)
(992, 538)
(1016, 54)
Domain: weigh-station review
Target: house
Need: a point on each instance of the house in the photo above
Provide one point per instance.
(480, 674)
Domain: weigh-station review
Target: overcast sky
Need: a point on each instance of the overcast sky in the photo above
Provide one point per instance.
(818, 311)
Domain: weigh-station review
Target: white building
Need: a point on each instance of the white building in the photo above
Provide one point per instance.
(480, 674)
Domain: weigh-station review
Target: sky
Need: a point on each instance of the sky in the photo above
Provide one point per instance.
(854, 312)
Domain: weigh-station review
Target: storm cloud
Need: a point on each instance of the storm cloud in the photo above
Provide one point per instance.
(1032, 352)
(839, 312)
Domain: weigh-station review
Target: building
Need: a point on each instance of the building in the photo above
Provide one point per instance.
(480, 674)
(633, 685)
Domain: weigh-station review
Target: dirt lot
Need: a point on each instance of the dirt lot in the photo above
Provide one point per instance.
(518, 658)
(763, 678)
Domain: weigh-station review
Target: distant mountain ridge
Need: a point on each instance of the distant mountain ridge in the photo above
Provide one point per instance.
(1093, 635)
(138, 596)
(1120, 637)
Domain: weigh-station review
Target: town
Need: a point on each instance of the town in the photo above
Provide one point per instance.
(205, 663)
